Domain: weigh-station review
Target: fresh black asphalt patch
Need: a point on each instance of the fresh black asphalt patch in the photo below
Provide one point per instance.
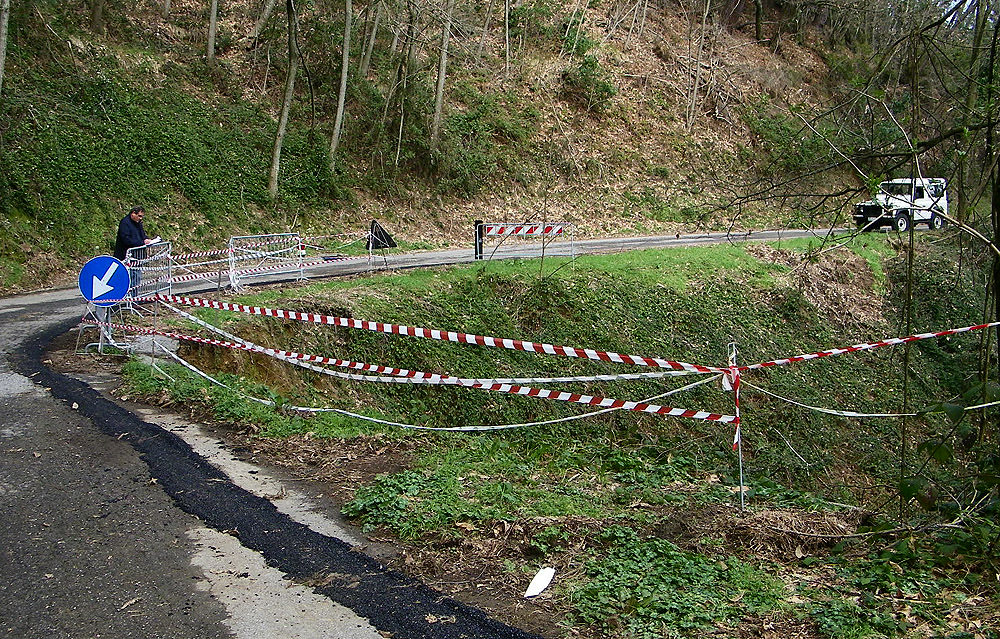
(392, 602)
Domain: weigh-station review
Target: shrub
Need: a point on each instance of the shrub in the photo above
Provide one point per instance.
(587, 84)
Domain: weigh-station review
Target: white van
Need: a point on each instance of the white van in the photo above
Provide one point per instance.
(904, 202)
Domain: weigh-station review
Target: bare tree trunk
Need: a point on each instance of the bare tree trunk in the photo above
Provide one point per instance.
(286, 105)
(366, 59)
(395, 40)
(97, 15)
(972, 94)
(406, 68)
(992, 287)
(695, 86)
(442, 72)
(262, 20)
(166, 9)
(486, 29)
(344, 61)
(4, 15)
(758, 20)
(213, 15)
(402, 115)
(506, 38)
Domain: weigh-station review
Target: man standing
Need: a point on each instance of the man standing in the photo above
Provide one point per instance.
(130, 232)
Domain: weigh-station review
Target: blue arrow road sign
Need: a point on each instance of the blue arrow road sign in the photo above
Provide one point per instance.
(104, 277)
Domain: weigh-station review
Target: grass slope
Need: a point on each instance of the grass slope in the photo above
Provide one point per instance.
(637, 512)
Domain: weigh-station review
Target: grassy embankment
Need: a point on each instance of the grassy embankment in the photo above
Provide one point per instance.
(636, 511)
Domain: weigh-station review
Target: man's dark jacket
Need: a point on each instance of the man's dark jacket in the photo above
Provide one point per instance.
(130, 235)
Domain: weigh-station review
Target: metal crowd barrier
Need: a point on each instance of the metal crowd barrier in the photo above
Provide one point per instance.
(504, 232)
(259, 255)
(149, 269)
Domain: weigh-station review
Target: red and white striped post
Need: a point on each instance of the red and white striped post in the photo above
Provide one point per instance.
(733, 376)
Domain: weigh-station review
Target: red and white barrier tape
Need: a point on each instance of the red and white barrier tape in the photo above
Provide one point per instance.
(212, 253)
(418, 377)
(211, 276)
(523, 229)
(492, 427)
(290, 238)
(449, 336)
(279, 267)
(432, 376)
(895, 341)
(191, 265)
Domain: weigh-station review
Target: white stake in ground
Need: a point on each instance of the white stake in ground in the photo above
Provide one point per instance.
(734, 380)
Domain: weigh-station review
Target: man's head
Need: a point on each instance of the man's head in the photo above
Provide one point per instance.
(137, 213)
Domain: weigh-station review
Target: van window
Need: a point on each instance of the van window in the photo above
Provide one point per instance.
(918, 192)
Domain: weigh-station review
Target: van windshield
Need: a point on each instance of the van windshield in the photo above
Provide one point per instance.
(895, 189)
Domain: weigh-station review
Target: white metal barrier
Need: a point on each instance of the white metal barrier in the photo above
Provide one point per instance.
(503, 232)
(149, 269)
(258, 255)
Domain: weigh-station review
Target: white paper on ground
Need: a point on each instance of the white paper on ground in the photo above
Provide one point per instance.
(540, 582)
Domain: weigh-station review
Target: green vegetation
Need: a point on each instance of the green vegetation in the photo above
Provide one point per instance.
(588, 84)
(645, 502)
(650, 588)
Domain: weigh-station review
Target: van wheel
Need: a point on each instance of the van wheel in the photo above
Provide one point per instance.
(937, 222)
(902, 222)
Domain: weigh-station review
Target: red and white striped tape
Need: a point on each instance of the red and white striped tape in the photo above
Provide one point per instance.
(396, 371)
(288, 266)
(467, 429)
(411, 377)
(449, 336)
(277, 267)
(192, 265)
(289, 238)
(187, 256)
(212, 276)
(524, 229)
(894, 341)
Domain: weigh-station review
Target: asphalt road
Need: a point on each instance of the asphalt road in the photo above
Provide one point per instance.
(113, 526)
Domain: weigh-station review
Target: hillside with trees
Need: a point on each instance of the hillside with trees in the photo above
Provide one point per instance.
(618, 116)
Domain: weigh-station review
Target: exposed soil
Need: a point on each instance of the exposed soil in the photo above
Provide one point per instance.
(840, 285)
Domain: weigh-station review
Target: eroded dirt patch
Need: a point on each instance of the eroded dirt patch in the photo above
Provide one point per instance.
(841, 284)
